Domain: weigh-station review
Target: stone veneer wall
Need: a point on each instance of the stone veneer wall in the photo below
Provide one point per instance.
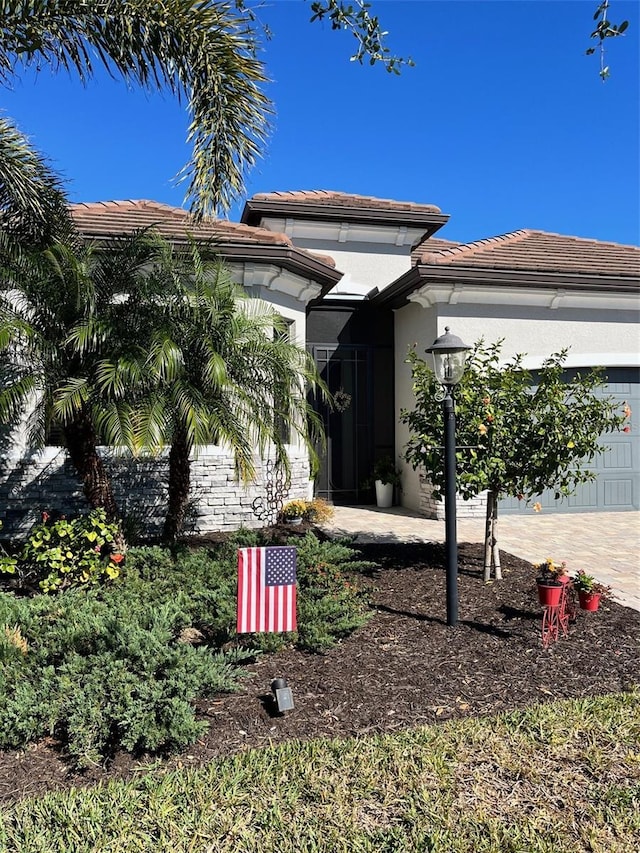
(47, 480)
(431, 508)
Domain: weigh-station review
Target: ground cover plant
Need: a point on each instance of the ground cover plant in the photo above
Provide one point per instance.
(402, 668)
(120, 665)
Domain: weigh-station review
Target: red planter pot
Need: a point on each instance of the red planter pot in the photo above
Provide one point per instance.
(549, 595)
(589, 600)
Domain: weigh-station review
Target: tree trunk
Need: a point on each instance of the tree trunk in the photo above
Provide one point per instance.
(179, 483)
(81, 442)
(491, 550)
(495, 551)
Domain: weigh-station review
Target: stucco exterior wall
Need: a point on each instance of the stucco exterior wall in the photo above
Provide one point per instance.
(595, 337)
(413, 324)
(366, 266)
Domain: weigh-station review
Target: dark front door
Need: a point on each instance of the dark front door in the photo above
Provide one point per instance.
(359, 428)
(347, 426)
(352, 345)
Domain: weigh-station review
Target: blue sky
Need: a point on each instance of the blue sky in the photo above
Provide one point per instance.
(503, 123)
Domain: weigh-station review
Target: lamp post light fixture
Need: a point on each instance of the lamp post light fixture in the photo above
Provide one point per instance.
(449, 357)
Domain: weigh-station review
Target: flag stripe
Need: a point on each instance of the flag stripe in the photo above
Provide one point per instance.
(266, 600)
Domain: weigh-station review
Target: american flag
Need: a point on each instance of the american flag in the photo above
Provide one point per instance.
(266, 589)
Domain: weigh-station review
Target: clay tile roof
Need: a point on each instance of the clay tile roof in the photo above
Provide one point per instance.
(426, 247)
(332, 198)
(105, 219)
(111, 218)
(540, 251)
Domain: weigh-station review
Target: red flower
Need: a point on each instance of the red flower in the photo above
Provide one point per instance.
(117, 558)
(626, 429)
(45, 516)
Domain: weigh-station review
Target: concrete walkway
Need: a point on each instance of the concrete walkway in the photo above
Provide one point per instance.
(604, 544)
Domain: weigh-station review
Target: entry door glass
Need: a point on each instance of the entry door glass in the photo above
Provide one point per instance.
(344, 465)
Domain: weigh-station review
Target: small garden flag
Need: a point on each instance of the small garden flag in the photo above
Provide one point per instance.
(266, 589)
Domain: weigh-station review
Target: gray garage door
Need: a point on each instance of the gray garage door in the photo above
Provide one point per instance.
(617, 483)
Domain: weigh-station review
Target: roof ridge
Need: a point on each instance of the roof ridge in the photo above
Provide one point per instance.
(477, 246)
(337, 196)
(582, 239)
(131, 202)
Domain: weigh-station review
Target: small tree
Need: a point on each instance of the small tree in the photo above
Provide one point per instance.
(517, 434)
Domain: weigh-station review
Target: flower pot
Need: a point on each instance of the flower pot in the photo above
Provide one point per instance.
(384, 494)
(296, 520)
(589, 600)
(549, 594)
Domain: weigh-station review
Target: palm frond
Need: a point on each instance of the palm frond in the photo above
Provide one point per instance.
(204, 53)
(71, 398)
(32, 201)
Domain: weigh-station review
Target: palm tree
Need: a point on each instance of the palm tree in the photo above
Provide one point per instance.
(46, 296)
(195, 362)
(140, 345)
(201, 52)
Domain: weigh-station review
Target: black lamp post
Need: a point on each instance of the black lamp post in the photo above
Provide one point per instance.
(449, 356)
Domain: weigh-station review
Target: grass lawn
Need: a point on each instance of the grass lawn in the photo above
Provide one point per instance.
(560, 778)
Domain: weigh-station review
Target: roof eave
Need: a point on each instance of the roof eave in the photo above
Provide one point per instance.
(255, 210)
(288, 257)
(397, 293)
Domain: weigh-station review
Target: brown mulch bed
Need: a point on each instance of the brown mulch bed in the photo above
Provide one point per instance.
(404, 668)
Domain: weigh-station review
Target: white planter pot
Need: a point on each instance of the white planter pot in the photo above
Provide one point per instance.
(384, 494)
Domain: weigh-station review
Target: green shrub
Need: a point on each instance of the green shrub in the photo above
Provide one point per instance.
(100, 673)
(331, 604)
(202, 581)
(8, 563)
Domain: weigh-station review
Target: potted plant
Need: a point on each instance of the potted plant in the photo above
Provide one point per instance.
(590, 591)
(293, 512)
(550, 580)
(385, 477)
(317, 511)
